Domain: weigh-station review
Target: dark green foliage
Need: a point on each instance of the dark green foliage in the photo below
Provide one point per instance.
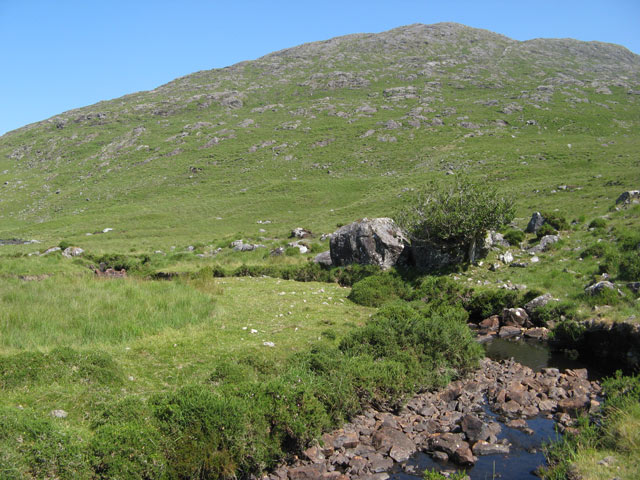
(129, 409)
(597, 250)
(606, 296)
(554, 311)
(127, 450)
(568, 333)
(130, 263)
(514, 236)
(292, 251)
(485, 303)
(61, 363)
(556, 220)
(64, 245)
(440, 289)
(620, 389)
(456, 215)
(378, 289)
(598, 223)
(629, 268)
(545, 229)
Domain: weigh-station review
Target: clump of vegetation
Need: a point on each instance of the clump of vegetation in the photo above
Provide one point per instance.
(598, 223)
(544, 230)
(554, 312)
(555, 220)
(485, 303)
(514, 236)
(376, 290)
(457, 215)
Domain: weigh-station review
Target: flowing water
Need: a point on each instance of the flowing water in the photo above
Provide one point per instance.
(525, 453)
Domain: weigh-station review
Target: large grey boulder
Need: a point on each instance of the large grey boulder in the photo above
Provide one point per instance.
(537, 220)
(375, 241)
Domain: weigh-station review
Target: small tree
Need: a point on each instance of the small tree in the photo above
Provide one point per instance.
(455, 215)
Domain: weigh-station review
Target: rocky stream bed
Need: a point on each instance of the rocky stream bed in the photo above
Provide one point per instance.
(491, 423)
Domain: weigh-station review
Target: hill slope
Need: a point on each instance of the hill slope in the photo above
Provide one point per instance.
(327, 132)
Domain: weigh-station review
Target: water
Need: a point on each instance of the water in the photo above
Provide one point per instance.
(525, 454)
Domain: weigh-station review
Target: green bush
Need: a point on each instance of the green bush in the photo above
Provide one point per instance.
(568, 333)
(378, 289)
(485, 303)
(127, 450)
(64, 245)
(545, 229)
(441, 289)
(629, 267)
(553, 312)
(556, 220)
(514, 237)
(456, 215)
(598, 223)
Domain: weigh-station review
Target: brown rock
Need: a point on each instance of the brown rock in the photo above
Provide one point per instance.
(491, 324)
(307, 472)
(346, 440)
(464, 456)
(509, 331)
(515, 317)
(314, 454)
(574, 405)
(474, 428)
(386, 438)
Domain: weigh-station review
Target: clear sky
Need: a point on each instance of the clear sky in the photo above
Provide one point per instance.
(56, 55)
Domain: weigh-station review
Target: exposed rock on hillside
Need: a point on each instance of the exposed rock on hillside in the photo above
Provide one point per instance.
(376, 241)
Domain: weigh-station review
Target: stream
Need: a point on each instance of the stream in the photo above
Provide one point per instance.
(526, 453)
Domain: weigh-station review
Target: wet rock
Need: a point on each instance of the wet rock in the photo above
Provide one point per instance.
(484, 448)
(574, 405)
(378, 463)
(387, 438)
(515, 317)
(448, 443)
(464, 456)
(474, 428)
(539, 333)
(509, 331)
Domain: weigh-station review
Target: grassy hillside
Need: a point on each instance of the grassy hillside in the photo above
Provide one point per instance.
(328, 132)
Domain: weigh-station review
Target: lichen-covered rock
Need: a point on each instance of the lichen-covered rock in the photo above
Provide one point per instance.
(537, 220)
(376, 241)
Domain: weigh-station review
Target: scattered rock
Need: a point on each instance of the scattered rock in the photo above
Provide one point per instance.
(626, 198)
(70, 252)
(300, 232)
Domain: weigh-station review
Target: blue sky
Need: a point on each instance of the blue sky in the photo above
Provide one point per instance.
(56, 55)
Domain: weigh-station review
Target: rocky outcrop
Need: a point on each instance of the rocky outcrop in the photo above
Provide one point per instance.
(376, 241)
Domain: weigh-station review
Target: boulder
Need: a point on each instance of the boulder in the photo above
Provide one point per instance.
(506, 257)
(537, 302)
(300, 232)
(70, 252)
(537, 220)
(599, 287)
(485, 448)
(631, 196)
(515, 317)
(376, 241)
(474, 428)
(544, 243)
(323, 258)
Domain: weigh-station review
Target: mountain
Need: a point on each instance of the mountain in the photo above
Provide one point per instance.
(327, 132)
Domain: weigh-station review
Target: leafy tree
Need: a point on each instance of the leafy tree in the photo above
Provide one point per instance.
(455, 215)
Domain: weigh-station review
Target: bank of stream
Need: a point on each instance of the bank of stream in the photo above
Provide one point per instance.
(525, 452)
(491, 424)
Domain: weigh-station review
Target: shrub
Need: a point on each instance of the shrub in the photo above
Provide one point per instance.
(568, 332)
(378, 289)
(457, 215)
(629, 267)
(598, 223)
(485, 303)
(554, 311)
(545, 229)
(64, 245)
(556, 220)
(439, 289)
(514, 237)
